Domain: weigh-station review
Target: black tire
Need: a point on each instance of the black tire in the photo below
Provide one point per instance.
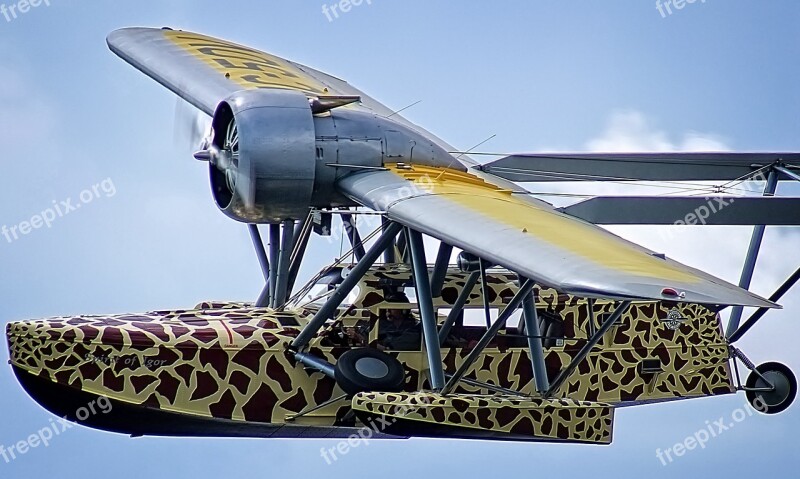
(785, 388)
(367, 369)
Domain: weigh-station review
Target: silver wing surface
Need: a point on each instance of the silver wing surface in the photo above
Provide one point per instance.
(532, 238)
(204, 70)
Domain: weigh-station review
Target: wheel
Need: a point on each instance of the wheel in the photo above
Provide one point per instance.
(367, 369)
(777, 400)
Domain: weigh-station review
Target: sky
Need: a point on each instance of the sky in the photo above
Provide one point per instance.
(541, 75)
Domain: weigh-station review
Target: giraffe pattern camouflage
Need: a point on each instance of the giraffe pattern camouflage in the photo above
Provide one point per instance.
(544, 419)
(232, 360)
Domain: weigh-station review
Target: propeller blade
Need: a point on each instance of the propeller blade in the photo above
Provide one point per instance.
(191, 127)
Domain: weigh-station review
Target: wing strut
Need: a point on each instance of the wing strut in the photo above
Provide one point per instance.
(274, 254)
(386, 240)
(752, 255)
(284, 262)
(458, 306)
(440, 268)
(534, 333)
(351, 228)
(760, 312)
(390, 255)
(302, 234)
(485, 293)
(261, 253)
(425, 301)
(515, 303)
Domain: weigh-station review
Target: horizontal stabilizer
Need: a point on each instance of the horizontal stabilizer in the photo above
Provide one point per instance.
(540, 167)
(668, 210)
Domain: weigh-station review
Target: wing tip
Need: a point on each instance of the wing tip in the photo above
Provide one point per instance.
(120, 34)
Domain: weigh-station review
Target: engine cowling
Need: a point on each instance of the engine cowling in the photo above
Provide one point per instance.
(263, 169)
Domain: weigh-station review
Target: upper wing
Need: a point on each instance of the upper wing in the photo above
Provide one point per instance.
(204, 71)
(532, 238)
(678, 166)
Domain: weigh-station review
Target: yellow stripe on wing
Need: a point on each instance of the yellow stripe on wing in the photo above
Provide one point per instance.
(545, 224)
(245, 66)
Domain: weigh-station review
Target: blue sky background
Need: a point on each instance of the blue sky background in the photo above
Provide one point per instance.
(568, 75)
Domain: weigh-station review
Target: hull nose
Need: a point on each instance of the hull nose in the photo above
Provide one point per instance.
(97, 354)
(78, 367)
(218, 373)
(51, 349)
(31, 343)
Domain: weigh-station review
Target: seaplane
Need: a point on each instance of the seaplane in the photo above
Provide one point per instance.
(532, 323)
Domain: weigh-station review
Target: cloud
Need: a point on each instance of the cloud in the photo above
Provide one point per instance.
(720, 248)
(631, 131)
